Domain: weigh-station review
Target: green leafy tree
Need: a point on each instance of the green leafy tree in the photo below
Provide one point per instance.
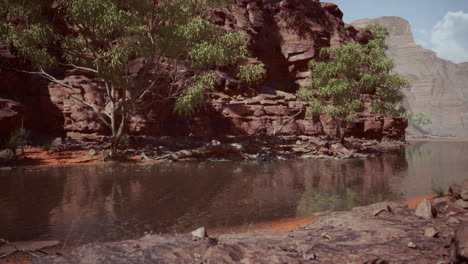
(102, 37)
(342, 74)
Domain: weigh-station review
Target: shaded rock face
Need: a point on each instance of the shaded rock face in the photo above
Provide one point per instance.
(283, 35)
(11, 113)
(460, 245)
(26, 99)
(439, 87)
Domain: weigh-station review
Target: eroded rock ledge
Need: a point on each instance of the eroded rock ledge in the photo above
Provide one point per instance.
(284, 35)
(379, 233)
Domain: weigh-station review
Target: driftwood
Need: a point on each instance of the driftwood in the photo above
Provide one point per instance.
(201, 152)
(25, 247)
(16, 249)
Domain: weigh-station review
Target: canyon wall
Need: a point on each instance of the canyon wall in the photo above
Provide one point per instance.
(283, 35)
(439, 87)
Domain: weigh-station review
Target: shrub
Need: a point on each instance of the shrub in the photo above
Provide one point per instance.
(342, 74)
(252, 74)
(124, 141)
(18, 139)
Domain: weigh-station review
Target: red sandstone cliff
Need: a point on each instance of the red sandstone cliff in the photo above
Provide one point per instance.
(284, 35)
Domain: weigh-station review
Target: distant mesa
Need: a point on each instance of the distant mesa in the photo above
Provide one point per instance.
(440, 87)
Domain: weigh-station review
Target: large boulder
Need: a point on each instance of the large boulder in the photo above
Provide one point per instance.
(461, 203)
(459, 245)
(455, 191)
(464, 190)
(425, 210)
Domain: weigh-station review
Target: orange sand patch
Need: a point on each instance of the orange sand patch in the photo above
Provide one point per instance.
(285, 225)
(275, 226)
(291, 224)
(36, 157)
(413, 202)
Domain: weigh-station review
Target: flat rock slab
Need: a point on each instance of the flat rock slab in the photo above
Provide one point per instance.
(28, 246)
(355, 236)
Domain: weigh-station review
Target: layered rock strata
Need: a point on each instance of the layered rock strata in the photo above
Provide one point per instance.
(283, 35)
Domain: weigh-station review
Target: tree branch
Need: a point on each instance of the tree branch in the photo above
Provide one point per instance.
(285, 122)
(18, 249)
(51, 78)
(79, 67)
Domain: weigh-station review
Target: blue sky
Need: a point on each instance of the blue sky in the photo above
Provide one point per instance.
(440, 25)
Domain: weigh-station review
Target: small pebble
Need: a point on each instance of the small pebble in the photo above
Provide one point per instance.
(411, 245)
(309, 256)
(430, 232)
(199, 233)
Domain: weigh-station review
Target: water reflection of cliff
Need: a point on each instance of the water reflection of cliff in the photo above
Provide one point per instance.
(25, 199)
(434, 166)
(121, 201)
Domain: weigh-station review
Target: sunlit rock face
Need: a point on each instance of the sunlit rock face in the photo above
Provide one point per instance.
(284, 35)
(439, 87)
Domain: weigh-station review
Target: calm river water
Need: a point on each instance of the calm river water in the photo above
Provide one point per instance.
(122, 201)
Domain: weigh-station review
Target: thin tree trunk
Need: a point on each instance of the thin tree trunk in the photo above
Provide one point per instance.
(13, 150)
(114, 141)
(342, 131)
(118, 130)
(337, 122)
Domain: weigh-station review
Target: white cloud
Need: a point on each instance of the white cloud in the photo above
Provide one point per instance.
(422, 37)
(449, 37)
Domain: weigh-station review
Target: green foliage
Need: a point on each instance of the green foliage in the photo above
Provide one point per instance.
(439, 191)
(252, 74)
(108, 34)
(315, 107)
(419, 119)
(193, 97)
(124, 141)
(18, 139)
(226, 49)
(342, 74)
(103, 37)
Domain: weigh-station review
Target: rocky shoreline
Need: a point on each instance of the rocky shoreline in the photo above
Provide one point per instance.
(436, 232)
(237, 120)
(169, 149)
